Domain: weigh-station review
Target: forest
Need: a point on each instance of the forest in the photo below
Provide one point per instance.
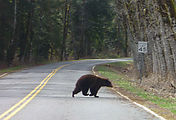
(37, 30)
(152, 21)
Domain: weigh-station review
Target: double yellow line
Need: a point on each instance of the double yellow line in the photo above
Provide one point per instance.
(21, 104)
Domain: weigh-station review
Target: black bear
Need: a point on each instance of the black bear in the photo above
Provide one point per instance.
(92, 82)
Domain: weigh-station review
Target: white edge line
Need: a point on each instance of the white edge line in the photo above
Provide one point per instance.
(3, 75)
(137, 104)
(141, 106)
(93, 69)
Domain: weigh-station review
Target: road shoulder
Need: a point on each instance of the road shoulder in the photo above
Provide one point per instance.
(135, 98)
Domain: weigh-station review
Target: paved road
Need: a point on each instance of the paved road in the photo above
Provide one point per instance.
(52, 99)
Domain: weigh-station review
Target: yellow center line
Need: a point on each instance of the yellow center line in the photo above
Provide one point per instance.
(21, 104)
(3, 75)
(17, 104)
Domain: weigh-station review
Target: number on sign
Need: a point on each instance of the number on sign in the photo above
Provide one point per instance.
(142, 47)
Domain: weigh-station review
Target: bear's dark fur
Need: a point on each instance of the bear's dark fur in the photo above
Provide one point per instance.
(91, 82)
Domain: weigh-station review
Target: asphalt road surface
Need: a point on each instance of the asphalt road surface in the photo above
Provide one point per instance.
(44, 93)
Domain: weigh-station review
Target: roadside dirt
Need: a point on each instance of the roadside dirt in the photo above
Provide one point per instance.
(128, 74)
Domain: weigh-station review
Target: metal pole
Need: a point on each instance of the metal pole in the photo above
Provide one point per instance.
(141, 68)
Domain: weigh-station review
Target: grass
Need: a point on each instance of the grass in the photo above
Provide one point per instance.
(121, 64)
(20, 67)
(11, 69)
(123, 82)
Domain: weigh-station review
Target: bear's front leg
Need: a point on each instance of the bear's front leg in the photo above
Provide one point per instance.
(96, 96)
(93, 94)
(94, 91)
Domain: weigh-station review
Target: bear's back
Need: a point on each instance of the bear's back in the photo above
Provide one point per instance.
(86, 80)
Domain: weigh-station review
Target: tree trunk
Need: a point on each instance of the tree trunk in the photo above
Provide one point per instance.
(28, 34)
(83, 45)
(65, 31)
(12, 45)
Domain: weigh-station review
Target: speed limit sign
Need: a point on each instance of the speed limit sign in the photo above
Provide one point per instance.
(142, 47)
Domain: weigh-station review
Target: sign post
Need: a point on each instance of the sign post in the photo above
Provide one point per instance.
(142, 49)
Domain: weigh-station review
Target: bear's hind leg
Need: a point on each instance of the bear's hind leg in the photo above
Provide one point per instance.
(76, 90)
(84, 91)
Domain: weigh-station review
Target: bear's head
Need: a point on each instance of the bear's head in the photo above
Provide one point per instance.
(107, 83)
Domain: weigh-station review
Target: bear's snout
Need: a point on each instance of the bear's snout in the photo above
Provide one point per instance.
(110, 85)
